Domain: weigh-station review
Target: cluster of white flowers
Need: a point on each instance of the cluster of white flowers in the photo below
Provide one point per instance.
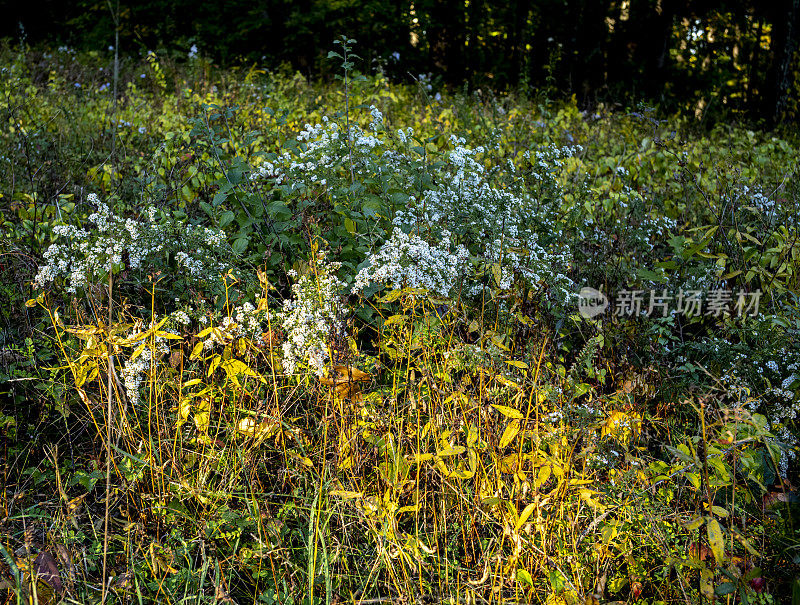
(530, 262)
(750, 195)
(268, 170)
(322, 151)
(409, 261)
(181, 317)
(377, 117)
(132, 373)
(425, 81)
(243, 322)
(405, 135)
(499, 225)
(789, 449)
(86, 254)
(787, 407)
(311, 316)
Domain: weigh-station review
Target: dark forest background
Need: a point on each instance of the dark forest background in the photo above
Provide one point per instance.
(729, 59)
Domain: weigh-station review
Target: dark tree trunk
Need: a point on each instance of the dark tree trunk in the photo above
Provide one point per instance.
(785, 62)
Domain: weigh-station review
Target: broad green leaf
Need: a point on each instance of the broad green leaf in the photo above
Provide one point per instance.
(523, 577)
(725, 588)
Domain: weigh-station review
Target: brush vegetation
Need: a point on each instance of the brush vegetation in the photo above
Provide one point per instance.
(297, 342)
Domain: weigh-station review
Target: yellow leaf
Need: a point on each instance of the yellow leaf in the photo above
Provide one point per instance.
(517, 364)
(472, 436)
(345, 374)
(169, 336)
(215, 361)
(259, 431)
(707, 583)
(206, 332)
(526, 512)
(542, 476)
(509, 464)
(507, 411)
(391, 296)
(586, 496)
(511, 431)
(234, 368)
(715, 539)
(185, 407)
(138, 351)
(461, 474)
(394, 319)
(452, 451)
(196, 350)
(498, 342)
(505, 381)
(694, 524)
(346, 495)
(80, 376)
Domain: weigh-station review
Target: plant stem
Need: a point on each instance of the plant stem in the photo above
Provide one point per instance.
(108, 431)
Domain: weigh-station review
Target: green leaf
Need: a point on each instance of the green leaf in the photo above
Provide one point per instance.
(523, 577)
(694, 524)
(725, 588)
(240, 245)
(719, 511)
(392, 296)
(221, 196)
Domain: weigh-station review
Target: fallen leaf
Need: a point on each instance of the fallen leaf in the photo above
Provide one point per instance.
(46, 569)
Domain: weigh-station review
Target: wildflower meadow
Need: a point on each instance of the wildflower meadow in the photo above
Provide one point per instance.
(372, 339)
